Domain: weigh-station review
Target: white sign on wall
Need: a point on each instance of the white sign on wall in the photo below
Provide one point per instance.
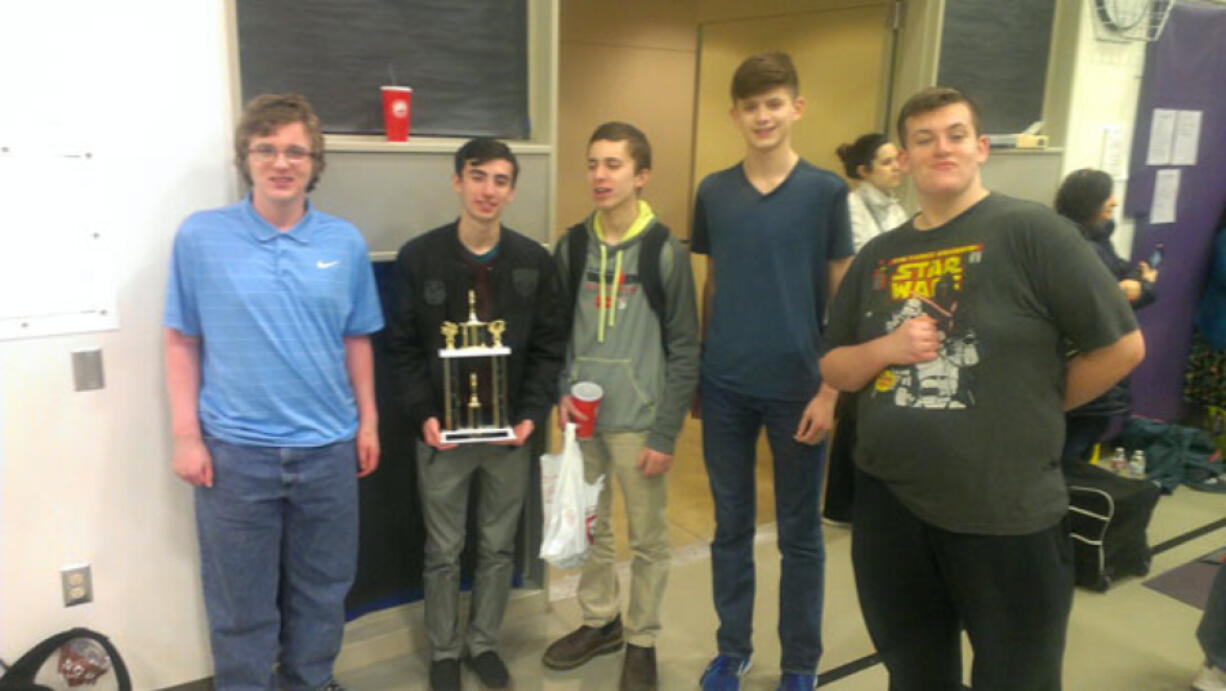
(56, 275)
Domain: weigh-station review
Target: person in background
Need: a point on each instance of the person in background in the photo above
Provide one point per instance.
(871, 162)
(1086, 198)
(270, 304)
(1212, 636)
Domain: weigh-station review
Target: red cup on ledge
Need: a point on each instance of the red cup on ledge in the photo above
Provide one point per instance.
(586, 396)
(397, 107)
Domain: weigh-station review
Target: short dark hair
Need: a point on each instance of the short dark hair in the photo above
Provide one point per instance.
(861, 152)
(636, 141)
(1082, 195)
(762, 72)
(481, 150)
(934, 98)
(268, 113)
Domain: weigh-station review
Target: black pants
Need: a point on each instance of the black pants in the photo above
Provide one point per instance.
(840, 466)
(920, 586)
(1081, 433)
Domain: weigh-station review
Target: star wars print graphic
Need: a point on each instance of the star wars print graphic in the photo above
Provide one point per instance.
(931, 284)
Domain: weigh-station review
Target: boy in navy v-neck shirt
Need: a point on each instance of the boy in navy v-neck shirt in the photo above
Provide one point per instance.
(777, 237)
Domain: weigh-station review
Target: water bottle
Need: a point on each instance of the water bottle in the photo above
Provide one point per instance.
(1136, 464)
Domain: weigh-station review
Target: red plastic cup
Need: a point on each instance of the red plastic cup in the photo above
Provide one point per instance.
(397, 107)
(587, 397)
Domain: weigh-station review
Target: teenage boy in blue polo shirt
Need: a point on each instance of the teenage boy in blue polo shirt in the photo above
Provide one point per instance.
(777, 236)
(513, 279)
(269, 307)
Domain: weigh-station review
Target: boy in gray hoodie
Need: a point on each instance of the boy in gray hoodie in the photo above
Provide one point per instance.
(635, 333)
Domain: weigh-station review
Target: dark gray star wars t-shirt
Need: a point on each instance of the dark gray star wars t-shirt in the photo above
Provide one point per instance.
(970, 442)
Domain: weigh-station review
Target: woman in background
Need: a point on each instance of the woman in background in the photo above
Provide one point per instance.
(1086, 198)
(872, 164)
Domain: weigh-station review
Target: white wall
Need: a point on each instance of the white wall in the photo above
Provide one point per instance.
(1106, 83)
(85, 476)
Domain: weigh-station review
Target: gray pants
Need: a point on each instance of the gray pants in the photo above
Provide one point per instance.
(443, 480)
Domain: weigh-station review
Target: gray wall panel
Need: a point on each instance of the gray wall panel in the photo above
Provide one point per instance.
(1033, 175)
(392, 197)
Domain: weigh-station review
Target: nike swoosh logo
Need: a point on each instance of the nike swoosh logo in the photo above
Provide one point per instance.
(321, 264)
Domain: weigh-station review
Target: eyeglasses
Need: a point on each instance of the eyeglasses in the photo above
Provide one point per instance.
(267, 153)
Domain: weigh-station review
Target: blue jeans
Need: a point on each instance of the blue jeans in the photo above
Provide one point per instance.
(1212, 630)
(730, 426)
(278, 537)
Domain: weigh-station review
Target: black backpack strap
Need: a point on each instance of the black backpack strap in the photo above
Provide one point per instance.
(650, 277)
(22, 673)
(576, 259)
(649, 268)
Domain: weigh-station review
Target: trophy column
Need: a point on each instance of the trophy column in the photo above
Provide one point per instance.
(473, 415)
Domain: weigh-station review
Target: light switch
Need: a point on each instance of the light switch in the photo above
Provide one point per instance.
(87, 369)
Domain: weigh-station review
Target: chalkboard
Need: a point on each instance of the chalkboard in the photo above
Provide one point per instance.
(996, 51)
(465, 59)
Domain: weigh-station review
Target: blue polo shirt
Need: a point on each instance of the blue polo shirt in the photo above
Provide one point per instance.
(271, 310)
(770, 253)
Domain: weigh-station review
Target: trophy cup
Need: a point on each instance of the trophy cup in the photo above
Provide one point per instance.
(474, 380)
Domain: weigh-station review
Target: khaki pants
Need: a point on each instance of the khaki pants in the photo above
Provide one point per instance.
(614, 454)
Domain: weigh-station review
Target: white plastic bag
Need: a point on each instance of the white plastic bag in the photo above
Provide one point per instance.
(569, 503)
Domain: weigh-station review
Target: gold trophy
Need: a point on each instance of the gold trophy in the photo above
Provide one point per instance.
(476, 411)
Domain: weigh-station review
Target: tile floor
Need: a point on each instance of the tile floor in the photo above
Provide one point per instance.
(1128, 638)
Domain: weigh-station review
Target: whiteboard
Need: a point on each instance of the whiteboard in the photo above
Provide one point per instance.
(56, 275)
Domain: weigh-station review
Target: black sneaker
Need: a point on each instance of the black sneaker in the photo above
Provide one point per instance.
(445, 675)
(490, 670)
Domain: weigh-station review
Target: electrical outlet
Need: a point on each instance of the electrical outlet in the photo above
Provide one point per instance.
(77, 584)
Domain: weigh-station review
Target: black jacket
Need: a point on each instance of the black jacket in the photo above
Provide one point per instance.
(1118, 399)
(431, 286)
(1100, 241)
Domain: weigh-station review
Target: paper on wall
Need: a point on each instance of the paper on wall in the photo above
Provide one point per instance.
(1161, 132)
(1112, 160)
(1187, 138)
(1166, 194)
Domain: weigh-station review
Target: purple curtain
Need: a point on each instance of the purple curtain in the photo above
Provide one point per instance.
(1185, 69)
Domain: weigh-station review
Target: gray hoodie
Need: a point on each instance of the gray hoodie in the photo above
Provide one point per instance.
(616, 341)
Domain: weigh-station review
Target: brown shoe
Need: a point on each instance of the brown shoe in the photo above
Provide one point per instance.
(582, 644)
(639, 669)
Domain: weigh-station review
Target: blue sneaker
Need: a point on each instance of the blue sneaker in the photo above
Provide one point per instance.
(791, 681)
(724, 673)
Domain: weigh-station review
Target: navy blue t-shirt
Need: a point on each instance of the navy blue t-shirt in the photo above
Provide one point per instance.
(770, 253)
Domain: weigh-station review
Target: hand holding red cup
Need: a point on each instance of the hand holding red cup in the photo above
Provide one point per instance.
(586, 397)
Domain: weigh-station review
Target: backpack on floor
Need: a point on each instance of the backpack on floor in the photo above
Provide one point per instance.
(1108, 517)
(84, 656)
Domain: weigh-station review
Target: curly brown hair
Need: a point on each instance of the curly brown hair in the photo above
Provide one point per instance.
(266, 114)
